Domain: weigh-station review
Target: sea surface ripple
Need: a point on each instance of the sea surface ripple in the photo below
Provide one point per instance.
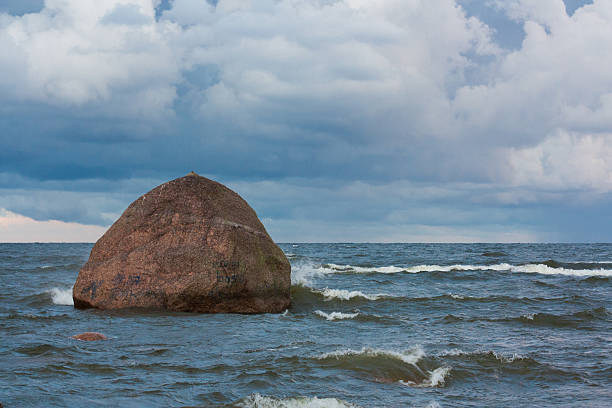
(371, 325)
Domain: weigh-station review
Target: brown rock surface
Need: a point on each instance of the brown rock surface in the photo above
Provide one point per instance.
(189, 245)
(89, 336)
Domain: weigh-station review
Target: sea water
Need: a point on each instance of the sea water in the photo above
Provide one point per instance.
(371, 325)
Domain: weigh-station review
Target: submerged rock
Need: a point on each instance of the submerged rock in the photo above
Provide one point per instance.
(89, 336)
(189, 245)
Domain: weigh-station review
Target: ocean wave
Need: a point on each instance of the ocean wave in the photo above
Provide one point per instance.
(485, 355)
(503, 298)
(494, 254)
(576, 320)
(29, 316)
(61, 296)
(306, 295)
(344, 294)
(411, 356)
(260, 401)
(409, 367)
(436, 378)
(303, 295)
(336, 315)
(473, 363)
(302, 274)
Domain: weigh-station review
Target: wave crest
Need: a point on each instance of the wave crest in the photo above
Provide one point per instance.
(260, 401)
(344, 294)
(336, 315)
(61, 296)
(301, 274)
(408, 367)
(411, 356)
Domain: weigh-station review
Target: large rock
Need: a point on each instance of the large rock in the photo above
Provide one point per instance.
(188, 245)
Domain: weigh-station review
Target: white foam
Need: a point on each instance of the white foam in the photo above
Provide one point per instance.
(502, 358)
(436, 378)
(302, 274)
(307, 271)
(411, 356)
(259, 401)
(61, 296)
(336, 315)
(547, 270)
(361, 269)
(344, 294)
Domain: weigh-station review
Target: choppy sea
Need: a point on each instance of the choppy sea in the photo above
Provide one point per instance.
(371, 325)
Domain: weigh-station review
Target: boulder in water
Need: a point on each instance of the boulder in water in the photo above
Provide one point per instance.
(189, 245)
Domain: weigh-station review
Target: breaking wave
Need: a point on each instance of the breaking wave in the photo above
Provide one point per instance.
(303, 295)
(302, 274)
(489, 356)
(336, 315)
(437, 378)
(260, 401)
(61, 296)
(409, 367)
(344, 294)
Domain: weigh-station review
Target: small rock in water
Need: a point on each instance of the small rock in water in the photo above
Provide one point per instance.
(189, 245)
(90, 336)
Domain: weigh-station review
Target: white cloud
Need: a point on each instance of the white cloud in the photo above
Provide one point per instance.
(67, 56)
(371, 95)
(565, 161)
(17, 228)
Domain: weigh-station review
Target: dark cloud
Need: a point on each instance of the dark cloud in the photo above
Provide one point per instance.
(349, 113)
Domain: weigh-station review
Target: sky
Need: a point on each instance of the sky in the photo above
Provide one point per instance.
(337, 120)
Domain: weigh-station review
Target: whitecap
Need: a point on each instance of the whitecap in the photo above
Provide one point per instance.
(498, 356)
(344, 294)
(436, 378)
(336, 315)
(303, 272)
(547, 270)
(361, 269)
(61, 296)
(411, 356)
(260, 401)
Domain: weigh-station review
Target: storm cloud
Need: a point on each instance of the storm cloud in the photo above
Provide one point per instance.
(345, 120)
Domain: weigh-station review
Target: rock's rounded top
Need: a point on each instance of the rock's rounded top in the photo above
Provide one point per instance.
(178, 203)
(193, 173)
(190, 244)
